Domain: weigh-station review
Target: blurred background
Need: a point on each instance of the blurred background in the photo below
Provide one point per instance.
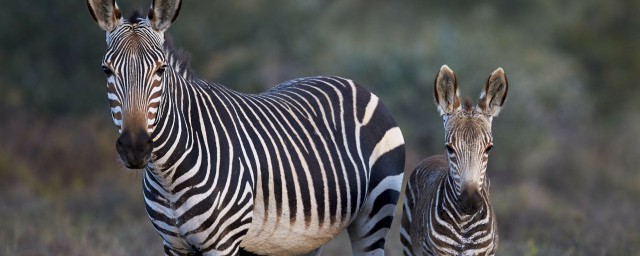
(564, 170)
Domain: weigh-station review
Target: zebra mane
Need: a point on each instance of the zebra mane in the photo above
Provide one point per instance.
(178, 59)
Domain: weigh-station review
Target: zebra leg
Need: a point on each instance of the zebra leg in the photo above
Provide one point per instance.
(405, 226)
(172, 252)
(369, 230)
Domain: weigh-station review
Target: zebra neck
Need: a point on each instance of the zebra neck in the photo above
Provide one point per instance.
(450, 200)
(454, 233)
(182, 150)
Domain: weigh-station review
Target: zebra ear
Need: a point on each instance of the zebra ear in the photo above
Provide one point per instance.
(494, 94)
(105, 13)
(445, 91)
(163, 12)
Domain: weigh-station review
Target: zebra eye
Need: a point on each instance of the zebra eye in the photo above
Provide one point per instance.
(449, 149)
(107, 71)
(486, 150)
(160, 70)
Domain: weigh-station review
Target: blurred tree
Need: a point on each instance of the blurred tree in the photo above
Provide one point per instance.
(604, 38)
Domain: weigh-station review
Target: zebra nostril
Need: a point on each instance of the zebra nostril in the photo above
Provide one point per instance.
(121, 143)
(134, 148)
(149, 146)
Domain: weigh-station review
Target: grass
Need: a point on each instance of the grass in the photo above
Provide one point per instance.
(103, 219)
(65, 194)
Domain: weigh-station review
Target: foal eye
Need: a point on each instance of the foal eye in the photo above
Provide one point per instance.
(449, 149)
(107, 71)
(486, 150)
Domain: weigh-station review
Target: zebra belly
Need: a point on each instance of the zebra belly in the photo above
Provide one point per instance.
(279, 236)
(285, 241)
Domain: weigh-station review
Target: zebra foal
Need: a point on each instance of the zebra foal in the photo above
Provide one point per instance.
(447, 209)
(225, 173)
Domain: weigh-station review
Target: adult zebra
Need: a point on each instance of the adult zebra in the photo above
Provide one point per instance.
(447, 209)
(279, 173)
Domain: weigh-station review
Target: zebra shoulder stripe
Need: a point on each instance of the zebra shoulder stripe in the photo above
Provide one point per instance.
(391, 140)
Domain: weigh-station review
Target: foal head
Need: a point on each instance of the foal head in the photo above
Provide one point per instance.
(468, 138)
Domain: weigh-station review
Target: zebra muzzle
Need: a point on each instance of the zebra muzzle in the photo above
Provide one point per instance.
(134, 149)
(470, 201)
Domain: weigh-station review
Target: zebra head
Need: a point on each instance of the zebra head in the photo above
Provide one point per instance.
(468, 138)
(134, 63)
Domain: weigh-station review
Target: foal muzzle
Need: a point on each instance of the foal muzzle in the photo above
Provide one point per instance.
(470, 200)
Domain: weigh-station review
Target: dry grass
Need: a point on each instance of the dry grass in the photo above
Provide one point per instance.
(67, 195)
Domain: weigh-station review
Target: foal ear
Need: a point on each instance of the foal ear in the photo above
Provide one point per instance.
(445, 91)
(494, 94)
(163, 12)
(105, 13)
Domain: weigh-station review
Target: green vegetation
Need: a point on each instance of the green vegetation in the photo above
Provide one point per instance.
(564, 169)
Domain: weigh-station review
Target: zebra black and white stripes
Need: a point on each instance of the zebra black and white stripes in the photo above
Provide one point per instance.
(277, 173)
(447, 208)
(439, 226)
(304, 186)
